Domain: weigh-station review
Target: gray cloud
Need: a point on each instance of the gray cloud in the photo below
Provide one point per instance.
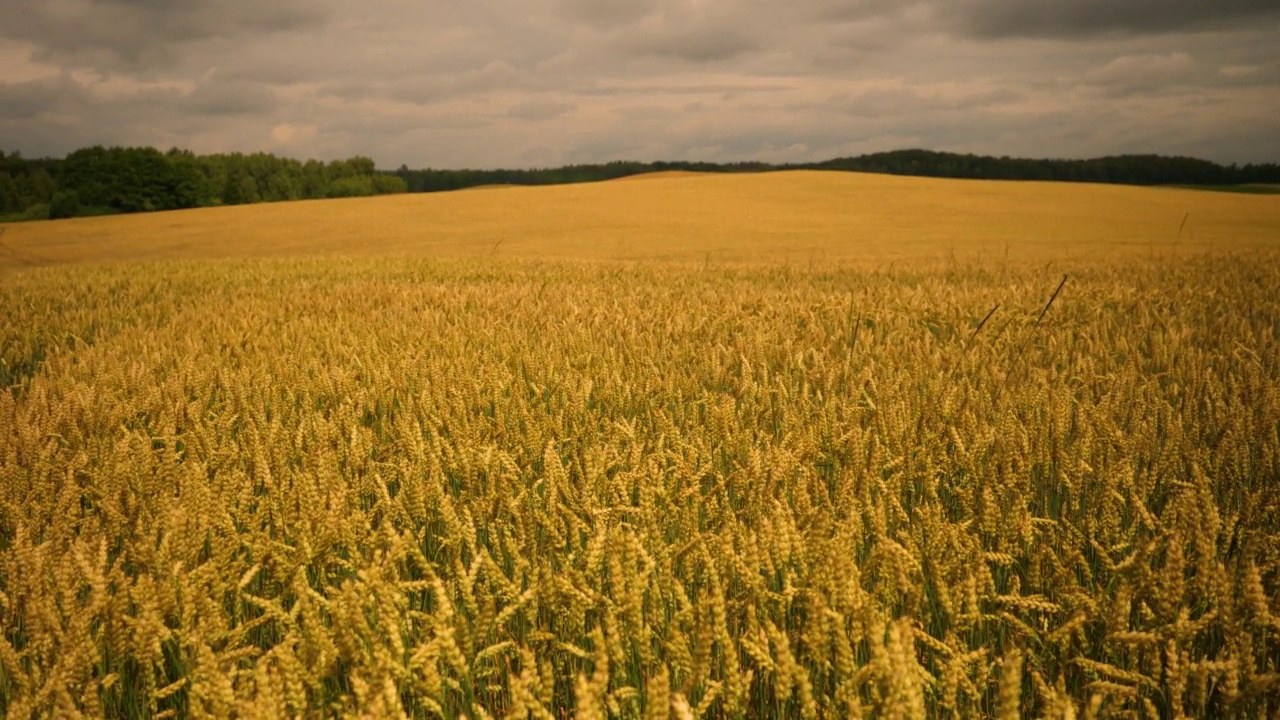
(697, 44)
(511, 82)
(29, 100)
(608, 14)
(1160, 73)
(142, 35)
(703, 89)
(495, 76)
(896, 102)
(231, 98)
(538, 109)
(1076, 18)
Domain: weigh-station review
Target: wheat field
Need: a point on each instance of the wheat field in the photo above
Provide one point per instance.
(799, 218)
(861, 466)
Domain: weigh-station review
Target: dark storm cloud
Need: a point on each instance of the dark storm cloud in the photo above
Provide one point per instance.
(1147, 73)
(56, 114)
(903, 102)
(846, 11)
(29, 100)
(606, 14)
(63, 96)
(510, 82)
(1080, 18)
(538, 109)
(704, 89)
(698, 44)
(495, 76)
(230, 98)
(139, 35)
(682, 30)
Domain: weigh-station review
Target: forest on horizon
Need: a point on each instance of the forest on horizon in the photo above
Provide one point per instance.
(98, 180)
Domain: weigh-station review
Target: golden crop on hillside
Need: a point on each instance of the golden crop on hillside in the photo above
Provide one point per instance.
(503, 488)
(801, 218)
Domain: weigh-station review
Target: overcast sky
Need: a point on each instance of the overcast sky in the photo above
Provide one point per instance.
(520, 83)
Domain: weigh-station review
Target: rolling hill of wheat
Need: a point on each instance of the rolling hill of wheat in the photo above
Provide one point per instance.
(796, 217)
(787, 445)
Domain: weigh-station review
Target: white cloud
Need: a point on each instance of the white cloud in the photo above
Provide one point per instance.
(287, 134)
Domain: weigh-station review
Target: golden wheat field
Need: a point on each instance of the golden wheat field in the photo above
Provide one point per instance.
(797, 218)
(793, 445)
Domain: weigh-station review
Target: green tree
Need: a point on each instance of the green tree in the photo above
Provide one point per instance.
(389, 184)
(66, 204)
(315, 179)
(361, 166)
(213, 183)
(42, 185)
(351, 187)
(10, 202)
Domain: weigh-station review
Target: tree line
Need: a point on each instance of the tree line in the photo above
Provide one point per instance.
(98, 180)
(1122, 169)
(1119, 169)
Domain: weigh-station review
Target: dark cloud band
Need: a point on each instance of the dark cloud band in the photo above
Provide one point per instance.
(143, 35)
(1078, 18)
(508, 82)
